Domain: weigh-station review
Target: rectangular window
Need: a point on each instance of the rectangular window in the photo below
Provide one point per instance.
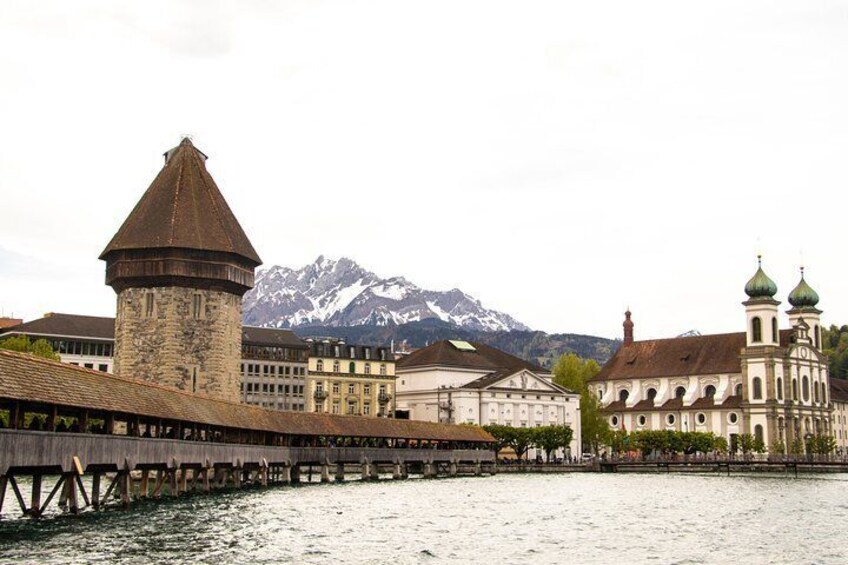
(336, 388)
(366, 389)
(336, 408)
(351, 407)
(89, 365)
(351, 388)
(197, 306)
(366, 409)
(382, 389)
(383, 369)
(103, 368)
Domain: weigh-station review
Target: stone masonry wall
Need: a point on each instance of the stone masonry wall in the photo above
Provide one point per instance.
(174, 348)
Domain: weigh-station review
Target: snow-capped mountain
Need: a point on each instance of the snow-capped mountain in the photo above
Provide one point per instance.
(341, 293)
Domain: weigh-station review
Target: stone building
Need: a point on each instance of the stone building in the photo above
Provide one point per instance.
(454, 381)
(766, 381)
(839, 399)
(180, 264)
(351, 379)
(272, 369)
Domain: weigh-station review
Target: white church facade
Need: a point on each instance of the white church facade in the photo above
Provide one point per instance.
(769, 382)
(461, 382)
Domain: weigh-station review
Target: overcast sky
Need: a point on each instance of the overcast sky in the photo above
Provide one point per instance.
(558, 161)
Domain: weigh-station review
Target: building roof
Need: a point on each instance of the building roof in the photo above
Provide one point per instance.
(838, 389)
(95, 327)
(273, 337)
(51, 324)
(183, 208)
(484, 357)
(33, 379)
(679, 357)
(351, 351)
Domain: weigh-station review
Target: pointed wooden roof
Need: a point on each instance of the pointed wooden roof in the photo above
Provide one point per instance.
(183, 208)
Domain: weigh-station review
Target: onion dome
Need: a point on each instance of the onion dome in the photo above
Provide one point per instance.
(803, 295)
(760, 286)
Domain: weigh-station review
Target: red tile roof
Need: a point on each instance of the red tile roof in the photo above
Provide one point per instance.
(183, 208)
(680, 356)
(32, 379)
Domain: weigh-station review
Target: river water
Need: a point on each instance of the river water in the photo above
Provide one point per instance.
(527, 519)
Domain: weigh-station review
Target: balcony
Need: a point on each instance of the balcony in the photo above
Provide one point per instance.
(384, 398)
(320, 395)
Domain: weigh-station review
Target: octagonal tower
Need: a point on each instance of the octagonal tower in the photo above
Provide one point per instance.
(180, 264)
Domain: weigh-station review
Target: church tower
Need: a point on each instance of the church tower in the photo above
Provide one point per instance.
(180, 264)
(761, 309)
(804, 316)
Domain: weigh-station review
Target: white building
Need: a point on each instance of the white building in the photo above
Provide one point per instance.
(461, 382)
(769, 382)
(839, 399)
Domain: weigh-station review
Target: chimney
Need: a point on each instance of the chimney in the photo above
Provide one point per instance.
(628, 328)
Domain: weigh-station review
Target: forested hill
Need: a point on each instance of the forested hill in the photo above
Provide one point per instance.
(835, 342)
(538, 347)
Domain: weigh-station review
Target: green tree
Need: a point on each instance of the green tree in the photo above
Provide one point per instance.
(720, 444)
(22, 344)
(551, 438)
(746, 444)
(573, 373)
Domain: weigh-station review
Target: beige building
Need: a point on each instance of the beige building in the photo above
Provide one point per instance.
(769, 382)
(351, 379)
(839, 398)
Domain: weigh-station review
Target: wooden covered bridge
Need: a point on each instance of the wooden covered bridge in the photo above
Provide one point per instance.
(127, 440)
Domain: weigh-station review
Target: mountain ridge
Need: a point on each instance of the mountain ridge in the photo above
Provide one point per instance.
(341, 293)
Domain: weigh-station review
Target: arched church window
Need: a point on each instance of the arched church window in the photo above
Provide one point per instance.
(758, 432)
(738, 391)
(758, 388)
(795, 390)
(680, 392)
(756, 330)
(710, 391)
(774, 334)
(816, 391)
(805, 388)
(816, 336)
(779, 388)
(352, 367)
(623, 394)
(823, 393)
(651, 394)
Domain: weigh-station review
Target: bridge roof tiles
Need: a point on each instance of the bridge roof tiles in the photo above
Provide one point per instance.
(32, 379)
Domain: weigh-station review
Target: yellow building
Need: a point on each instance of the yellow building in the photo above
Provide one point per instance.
(351, 379)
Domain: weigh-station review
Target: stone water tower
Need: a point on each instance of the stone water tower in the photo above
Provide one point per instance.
(180, 264)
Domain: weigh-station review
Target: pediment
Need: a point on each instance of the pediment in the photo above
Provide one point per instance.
(524, 381)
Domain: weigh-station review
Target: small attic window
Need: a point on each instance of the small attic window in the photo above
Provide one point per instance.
(631, 360)
(462, 345)
(685, 357)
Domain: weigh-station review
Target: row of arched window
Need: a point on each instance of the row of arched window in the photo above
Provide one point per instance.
(818, 388)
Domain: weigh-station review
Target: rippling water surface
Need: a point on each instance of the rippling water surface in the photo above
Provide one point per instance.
(571, 518)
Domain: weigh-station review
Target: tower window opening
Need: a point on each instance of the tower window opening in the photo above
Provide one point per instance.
(805, 388)
(779, 388)
(680, 392)
(148, 305)
(756, 330)
(774, 334)
(623, 394)
(758, 388)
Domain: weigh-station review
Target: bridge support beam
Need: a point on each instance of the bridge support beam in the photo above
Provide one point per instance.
(295, 474)
(144, 485)
(366, 472)
(35, 504)
(453, 469)
(325, 473)
(375, 472)
(478, 469)
(340, 472)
